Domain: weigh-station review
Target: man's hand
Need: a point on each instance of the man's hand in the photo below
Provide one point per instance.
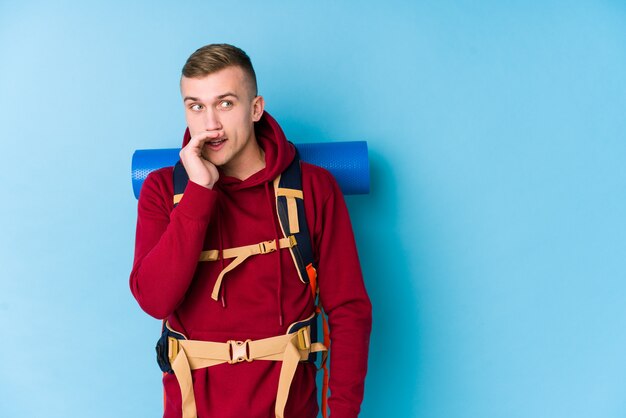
(200, 170)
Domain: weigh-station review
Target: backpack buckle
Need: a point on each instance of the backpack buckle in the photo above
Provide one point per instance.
(267, 246)
(172, 348)
(238, 351)
(304, 338)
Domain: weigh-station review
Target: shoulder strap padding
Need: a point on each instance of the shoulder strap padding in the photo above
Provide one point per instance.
(180, 182)
(292, 217)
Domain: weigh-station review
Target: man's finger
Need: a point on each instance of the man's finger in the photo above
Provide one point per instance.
(203, 136)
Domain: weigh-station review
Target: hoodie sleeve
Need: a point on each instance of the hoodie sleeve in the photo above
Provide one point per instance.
(345, 300)
(168, 242)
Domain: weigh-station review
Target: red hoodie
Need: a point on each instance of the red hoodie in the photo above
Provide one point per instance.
(259, 298)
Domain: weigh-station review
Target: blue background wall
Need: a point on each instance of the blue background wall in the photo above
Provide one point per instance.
(492, 243)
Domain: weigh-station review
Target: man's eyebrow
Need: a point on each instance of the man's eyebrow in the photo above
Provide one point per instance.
(221, 96)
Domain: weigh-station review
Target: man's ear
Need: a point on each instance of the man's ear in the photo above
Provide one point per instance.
(258, 106)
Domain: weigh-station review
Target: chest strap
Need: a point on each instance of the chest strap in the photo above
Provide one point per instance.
(240, 254)
(188, 355)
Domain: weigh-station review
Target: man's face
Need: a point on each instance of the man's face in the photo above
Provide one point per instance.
(223, 101)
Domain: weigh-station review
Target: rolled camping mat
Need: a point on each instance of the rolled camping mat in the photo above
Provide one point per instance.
(347, 161)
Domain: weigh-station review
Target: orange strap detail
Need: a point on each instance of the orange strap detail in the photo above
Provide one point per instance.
(312, 273)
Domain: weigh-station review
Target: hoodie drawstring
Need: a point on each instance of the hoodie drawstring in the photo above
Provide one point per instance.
(280, 266)
(221, 249)
(220, 256)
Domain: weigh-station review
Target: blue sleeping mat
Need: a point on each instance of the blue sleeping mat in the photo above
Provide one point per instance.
(347, 161)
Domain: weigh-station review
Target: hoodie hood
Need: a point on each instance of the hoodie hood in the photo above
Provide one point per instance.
(279, 153)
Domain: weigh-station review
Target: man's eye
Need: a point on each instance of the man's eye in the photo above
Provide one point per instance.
(225, 104)
(196, 107)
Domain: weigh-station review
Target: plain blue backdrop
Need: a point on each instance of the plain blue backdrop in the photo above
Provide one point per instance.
(493, 242)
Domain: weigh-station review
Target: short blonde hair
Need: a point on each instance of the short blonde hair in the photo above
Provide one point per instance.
(215, 57)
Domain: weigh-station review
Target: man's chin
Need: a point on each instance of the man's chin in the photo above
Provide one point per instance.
(207, 157)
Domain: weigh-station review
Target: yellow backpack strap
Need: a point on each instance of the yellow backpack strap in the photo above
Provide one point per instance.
(240, 254)
(292, 206)
(290, 349)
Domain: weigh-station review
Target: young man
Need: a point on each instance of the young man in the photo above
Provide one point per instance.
(232, 152)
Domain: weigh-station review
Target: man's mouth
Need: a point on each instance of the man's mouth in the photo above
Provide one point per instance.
(215, 143)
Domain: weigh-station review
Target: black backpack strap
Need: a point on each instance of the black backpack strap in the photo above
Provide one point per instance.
(163, 347)
(180, 182)
(292, 217)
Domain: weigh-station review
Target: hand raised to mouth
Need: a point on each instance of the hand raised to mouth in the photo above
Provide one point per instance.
(200, 170)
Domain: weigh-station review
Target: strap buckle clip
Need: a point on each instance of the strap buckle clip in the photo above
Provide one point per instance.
(267, 246)
(172, 348)
(304, 338)
(239, 351)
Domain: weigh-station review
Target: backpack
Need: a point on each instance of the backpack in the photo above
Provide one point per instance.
(291, 215)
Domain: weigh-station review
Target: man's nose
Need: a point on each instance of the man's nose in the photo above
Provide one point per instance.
(211, 120)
